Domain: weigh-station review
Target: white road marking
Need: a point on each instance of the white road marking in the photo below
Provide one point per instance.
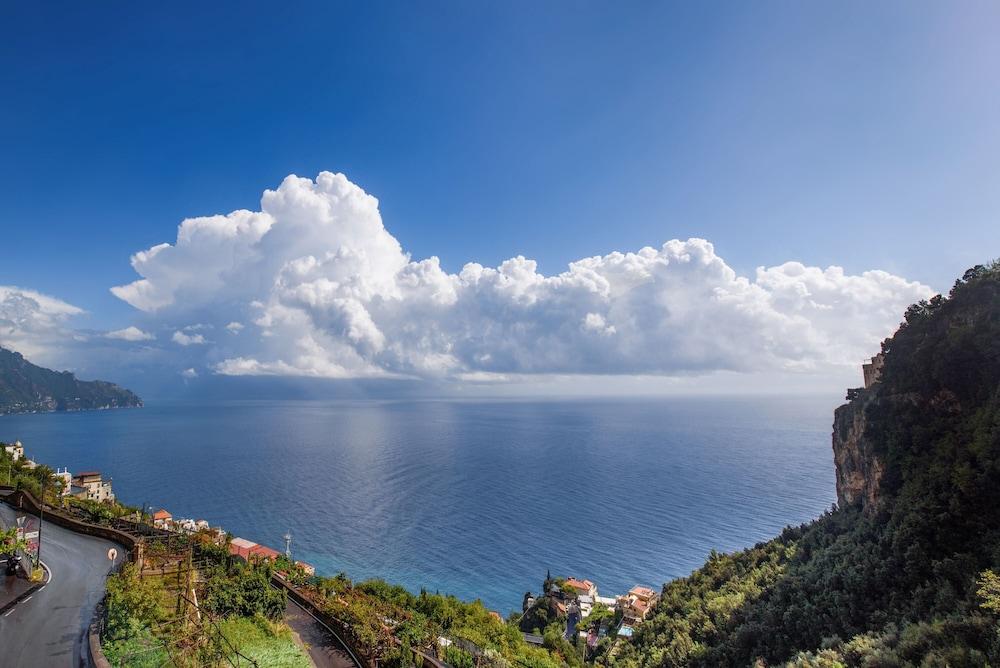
(7, 614)
(28, 599)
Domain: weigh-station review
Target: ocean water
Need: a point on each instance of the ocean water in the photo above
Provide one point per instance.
(474, 498)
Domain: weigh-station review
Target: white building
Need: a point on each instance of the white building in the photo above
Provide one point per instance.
(64, 476)
(15, 450)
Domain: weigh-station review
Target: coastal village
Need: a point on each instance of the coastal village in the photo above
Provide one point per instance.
(575, 603)
(586, 613)
(91, 486)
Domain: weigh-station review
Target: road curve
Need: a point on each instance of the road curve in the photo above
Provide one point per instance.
(324, 648)
(48, 628)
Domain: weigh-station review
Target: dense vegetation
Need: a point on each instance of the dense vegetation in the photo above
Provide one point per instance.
(26, 388)
(376, 611)
(907, 582)
(146, 623)
(21, 475)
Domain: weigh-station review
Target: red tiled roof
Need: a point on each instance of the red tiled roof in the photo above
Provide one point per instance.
(162, 514)
(644, 592)
(238, 551)
(582, 585)
(266, 552)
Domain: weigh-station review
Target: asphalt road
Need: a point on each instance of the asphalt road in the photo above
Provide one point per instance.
(324, 648)
(48, 628)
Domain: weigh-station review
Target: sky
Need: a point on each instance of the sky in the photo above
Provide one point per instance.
(798, 172)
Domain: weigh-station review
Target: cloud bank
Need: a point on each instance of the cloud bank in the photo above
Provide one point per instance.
(31, 322)
(314, 285)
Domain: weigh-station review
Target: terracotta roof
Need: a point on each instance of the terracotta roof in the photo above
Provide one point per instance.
(263, 551)
(237, 550)
(162, 514)
(581, 585)
(642, 592)
(88, 474)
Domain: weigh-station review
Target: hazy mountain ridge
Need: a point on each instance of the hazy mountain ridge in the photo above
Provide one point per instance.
(28, 388)
(902, 572)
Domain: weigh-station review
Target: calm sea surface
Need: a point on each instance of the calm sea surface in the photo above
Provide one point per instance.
(472, 498)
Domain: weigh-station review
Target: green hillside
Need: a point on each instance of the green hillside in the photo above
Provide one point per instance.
(900, 575)
(26, 388)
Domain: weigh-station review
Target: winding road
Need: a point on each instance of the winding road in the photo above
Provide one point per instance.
(325, 649)
(48, 629)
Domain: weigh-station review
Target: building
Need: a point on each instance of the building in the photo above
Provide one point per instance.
(582, 587)
(93, 487)
(240, 547)
(262, 552)
(309, 569)
(643, 593)
(873, 370)
(15, 450)
(635, 605)
(249, 551)
(162, 519)
(65, 478)
(185, 524)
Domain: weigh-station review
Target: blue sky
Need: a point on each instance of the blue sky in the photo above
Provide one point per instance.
(865, 135)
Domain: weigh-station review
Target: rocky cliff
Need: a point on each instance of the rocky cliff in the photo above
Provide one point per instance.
(858, 469)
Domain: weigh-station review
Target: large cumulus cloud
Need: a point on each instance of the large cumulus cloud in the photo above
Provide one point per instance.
(33, 323)
(313, 284)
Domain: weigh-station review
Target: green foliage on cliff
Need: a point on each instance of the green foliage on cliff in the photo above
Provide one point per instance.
(907, 580)
(374, 610)
(27, 388)
(238, 620)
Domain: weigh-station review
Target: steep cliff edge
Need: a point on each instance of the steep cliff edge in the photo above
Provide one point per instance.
(858, 469)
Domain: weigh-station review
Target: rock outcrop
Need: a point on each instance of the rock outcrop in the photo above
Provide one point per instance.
(858, 469)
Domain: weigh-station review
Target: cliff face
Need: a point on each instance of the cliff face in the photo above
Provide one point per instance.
(859, 470)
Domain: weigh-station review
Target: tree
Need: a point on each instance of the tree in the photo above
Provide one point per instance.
(989, 591)
(10, 543)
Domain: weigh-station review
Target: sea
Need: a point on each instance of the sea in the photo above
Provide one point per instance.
(476, 498)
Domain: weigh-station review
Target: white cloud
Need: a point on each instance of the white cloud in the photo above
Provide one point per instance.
(332, 294)
(130, 334)
(33, 323)
(183, 339)
(189, 373)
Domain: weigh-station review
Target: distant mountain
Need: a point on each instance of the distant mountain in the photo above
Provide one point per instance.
(27, 388)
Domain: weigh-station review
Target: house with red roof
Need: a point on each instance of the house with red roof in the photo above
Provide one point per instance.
(162, 519)
(582, 587)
